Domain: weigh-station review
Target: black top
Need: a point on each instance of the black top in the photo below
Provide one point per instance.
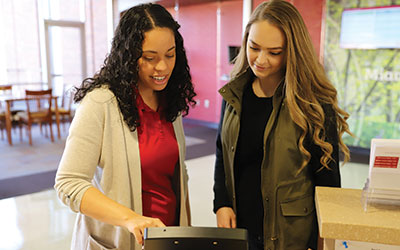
(248, 159)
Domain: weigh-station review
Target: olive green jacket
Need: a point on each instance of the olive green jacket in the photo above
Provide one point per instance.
(288, 195)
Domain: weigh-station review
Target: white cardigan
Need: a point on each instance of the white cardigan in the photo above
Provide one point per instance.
(102, 152)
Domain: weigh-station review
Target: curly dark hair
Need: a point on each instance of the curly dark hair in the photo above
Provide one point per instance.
(120, 69)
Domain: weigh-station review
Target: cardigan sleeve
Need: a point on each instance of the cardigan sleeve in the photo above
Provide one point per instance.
(221, 198)
(323, 176)
(81, 154)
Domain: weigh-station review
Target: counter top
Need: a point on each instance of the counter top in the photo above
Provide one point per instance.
(341, 216)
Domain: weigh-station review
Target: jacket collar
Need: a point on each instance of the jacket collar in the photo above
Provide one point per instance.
(232, 92)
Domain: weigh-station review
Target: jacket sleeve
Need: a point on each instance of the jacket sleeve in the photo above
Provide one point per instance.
(221, 198)
(323, 176)
(81, 154)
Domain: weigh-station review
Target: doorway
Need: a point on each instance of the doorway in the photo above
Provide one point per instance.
(65, 54)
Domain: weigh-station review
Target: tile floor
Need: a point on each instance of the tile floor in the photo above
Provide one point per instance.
(39, 221)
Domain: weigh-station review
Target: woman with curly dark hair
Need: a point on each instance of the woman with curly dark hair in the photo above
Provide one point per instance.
(123, 168)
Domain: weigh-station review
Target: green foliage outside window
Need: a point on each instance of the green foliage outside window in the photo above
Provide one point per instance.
(367, 81)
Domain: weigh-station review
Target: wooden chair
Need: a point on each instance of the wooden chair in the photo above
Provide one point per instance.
(4, 90)
(64, 108)
(7, 90)
(38, 110)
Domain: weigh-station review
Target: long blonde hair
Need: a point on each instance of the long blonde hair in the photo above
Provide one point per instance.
(307, 86)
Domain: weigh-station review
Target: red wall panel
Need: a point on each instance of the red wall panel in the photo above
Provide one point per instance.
(208, 29)
(231, 34)
(198, 27)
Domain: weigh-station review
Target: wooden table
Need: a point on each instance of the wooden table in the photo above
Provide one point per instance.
(9, 99)
(341, 216)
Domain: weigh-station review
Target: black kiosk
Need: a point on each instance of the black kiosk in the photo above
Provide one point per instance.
(195, 238)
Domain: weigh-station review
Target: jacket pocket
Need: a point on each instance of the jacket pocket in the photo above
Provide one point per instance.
(298, 207)
(93, 244)
(297, 221)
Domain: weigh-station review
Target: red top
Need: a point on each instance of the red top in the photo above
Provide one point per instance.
(158, 156)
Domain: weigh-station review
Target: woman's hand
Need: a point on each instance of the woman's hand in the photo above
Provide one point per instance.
(98, 206)
(137, 225)
(226, 217)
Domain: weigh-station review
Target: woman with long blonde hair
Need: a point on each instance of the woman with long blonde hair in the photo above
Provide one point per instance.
(279, 135)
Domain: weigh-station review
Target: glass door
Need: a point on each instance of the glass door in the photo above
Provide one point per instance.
(65, 54)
